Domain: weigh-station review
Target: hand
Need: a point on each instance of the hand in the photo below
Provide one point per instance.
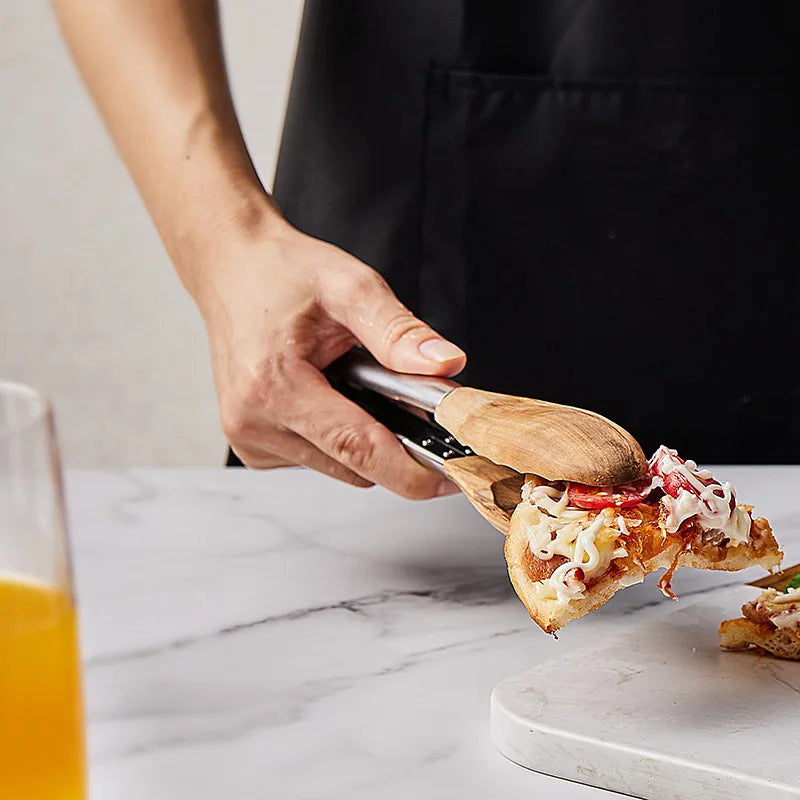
(280, 306)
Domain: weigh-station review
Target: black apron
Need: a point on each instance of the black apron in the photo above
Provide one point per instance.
(597, 200)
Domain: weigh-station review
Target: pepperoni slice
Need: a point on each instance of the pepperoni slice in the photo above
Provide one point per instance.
(674, 480)
(623, 496)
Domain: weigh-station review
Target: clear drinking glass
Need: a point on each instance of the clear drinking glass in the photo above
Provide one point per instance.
(41, 720)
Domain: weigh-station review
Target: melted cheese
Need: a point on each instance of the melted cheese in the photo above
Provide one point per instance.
(787, 619)
(790, 596)
(710, 505)
(588, 544)
(775, 602)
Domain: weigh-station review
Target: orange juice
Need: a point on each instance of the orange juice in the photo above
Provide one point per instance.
(41, 739)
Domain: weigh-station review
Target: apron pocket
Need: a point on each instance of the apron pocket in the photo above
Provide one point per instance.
(629, 246)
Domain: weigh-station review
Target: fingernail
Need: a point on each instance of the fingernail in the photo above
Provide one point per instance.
(440, 350)
(446, 487)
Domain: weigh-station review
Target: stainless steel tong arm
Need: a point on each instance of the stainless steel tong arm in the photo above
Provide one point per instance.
(425, 392)
(387, 396)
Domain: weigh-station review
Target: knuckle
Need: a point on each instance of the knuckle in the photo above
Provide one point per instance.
(256, 397)
(358, 448)
(266, 380)
(363, 282)
(399, 326)
(234, 421)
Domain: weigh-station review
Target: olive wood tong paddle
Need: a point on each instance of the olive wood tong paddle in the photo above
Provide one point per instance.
(485, 442)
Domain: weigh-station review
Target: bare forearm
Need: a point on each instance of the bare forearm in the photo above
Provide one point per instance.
(156, 71)
(279, 305)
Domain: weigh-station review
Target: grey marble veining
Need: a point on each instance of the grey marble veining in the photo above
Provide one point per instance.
(279, 635)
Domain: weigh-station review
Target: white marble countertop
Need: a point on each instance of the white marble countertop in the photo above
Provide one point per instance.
(280, 635)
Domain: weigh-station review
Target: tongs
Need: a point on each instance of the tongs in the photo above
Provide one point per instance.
(485, 442)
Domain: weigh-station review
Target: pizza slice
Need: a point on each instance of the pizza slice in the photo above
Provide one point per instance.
(571, 547)
(770, 623)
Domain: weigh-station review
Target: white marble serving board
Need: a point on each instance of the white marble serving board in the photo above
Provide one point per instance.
(660, 712)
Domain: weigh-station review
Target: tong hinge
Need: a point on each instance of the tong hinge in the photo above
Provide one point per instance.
(434, 448)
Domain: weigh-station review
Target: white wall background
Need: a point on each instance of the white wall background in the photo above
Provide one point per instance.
(91, 312)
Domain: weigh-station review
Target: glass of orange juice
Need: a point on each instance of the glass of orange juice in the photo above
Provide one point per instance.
(41, 720)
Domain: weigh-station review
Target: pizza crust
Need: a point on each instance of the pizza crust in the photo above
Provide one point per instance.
(742, 634)
(762, 550)
(650, 548)
(550, 615)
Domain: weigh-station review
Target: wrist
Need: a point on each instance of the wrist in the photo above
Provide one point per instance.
(208, 195)
(201, 242)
